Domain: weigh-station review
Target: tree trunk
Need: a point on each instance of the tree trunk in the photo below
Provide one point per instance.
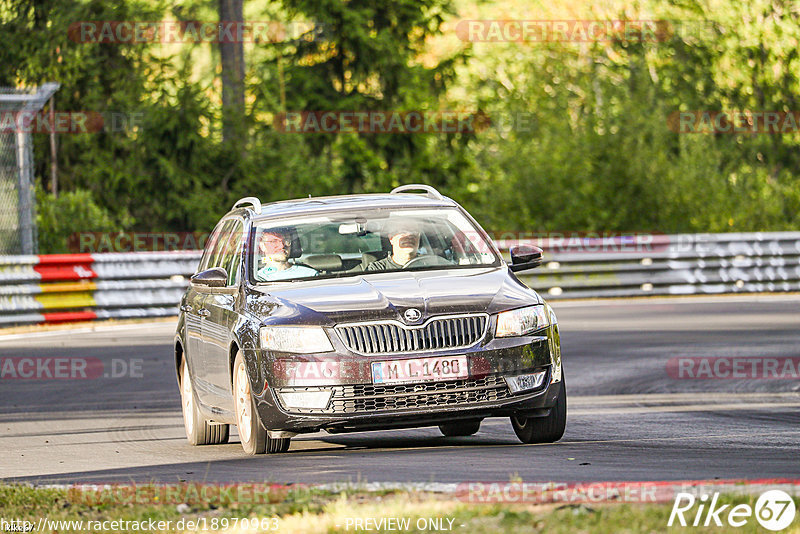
(231, 52)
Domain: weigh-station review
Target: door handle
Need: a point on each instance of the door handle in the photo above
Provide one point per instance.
(202, 312)
(186, 308)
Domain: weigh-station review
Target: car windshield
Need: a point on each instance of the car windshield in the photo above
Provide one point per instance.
(360, 243)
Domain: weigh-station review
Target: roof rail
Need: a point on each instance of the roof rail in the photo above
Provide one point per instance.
(253, 201)
(431, 191)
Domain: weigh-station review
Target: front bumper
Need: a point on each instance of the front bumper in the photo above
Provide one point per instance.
(537, 404)
(356, 404)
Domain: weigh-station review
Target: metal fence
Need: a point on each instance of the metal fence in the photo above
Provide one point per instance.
(683, 264)
(59, 288)
(17, 200)
(72, 287)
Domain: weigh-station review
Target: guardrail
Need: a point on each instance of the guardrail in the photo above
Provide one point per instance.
(684, 264)
(79, 287)
(83, 287)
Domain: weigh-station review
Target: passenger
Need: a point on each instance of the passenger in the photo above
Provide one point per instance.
(404, 237)
(275, 248)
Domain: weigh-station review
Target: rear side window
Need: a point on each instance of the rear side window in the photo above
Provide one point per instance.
(216, 244)
(232, 256)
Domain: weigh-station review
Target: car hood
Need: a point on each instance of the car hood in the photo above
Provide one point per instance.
(387, 295)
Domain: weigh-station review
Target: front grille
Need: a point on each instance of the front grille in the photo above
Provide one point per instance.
(437, 333)
(368, 398)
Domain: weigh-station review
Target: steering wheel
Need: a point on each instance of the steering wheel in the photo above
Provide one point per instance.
(428, 260)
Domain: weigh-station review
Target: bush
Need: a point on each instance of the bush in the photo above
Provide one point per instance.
(72, 212)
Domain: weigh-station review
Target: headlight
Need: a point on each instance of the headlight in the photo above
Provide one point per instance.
(522, 321)
(300, 339)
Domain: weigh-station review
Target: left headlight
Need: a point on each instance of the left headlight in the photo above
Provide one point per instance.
(300, 339)
(521, 322)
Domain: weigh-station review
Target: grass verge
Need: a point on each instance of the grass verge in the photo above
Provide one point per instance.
(265, 508)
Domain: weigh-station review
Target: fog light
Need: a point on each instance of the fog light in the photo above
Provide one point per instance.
(517, 384)
(310, 400)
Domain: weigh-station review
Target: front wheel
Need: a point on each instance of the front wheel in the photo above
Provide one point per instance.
(544, 429)
(199, 431)
(253, 436)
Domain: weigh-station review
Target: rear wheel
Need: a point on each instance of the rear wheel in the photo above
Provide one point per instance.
(199, 431)
(253, 436)
(460, 428)
(544, 429)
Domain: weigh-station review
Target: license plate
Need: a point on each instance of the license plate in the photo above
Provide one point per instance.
(420, 370)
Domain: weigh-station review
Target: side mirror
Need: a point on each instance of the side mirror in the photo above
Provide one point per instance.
(216, 277)
(524, 257)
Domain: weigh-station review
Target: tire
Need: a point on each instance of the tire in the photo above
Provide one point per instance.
(544, 429)
(253, 436)
(275, 446)
(460, 428)
(199, 431)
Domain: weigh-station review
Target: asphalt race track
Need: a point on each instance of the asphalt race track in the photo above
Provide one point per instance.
(629, 419)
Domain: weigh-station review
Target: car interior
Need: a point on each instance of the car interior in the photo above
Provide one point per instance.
(330, 248)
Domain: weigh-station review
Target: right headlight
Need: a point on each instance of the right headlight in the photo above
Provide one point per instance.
(300, 339)
(521, 321)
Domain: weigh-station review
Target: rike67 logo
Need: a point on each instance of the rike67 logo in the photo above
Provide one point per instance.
(774, 510)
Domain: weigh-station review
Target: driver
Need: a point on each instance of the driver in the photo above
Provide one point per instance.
(275, 247)
(404, 237)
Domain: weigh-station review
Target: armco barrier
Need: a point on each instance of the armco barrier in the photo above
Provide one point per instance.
(59, 288)
(82, 287)
(684, 264)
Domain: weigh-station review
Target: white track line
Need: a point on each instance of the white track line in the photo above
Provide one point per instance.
(87, 330)
(672, 299)
(701, 396)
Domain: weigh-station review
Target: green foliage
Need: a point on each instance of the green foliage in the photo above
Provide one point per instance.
(61, 219)
(602, 156)
(579, 136)
(366, 58)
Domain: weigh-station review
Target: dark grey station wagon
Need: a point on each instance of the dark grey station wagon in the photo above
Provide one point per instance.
(363, 312)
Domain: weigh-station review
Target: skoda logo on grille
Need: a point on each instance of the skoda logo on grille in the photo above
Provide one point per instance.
(412, 315)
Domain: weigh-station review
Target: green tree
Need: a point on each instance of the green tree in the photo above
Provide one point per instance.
(365, 56)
